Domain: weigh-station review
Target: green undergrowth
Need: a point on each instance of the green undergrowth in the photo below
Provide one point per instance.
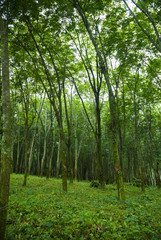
(41, 210)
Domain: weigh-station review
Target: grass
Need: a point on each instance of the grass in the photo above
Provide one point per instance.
(41, 210)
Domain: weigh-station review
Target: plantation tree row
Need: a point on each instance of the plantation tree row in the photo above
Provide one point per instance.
(84, 90)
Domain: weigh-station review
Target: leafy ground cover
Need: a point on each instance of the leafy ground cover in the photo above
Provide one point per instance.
(41, 210)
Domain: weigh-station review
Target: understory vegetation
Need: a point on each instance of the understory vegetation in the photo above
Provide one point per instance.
(42, 210)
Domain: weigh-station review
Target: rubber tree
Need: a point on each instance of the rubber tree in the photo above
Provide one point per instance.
(6, 150)
(69, 127)
(112, 101)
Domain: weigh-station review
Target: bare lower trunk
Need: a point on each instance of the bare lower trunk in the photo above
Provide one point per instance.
(51, 157)
(38, 154)
(63, 160)
(6, 151)
(76, 158)
(70, 161)
(117, 165)
(101, 176)
(58, 161)
(44, 156)
(26, 153)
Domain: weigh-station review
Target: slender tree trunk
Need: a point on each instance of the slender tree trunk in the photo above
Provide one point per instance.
(6, 152)
(26, 151)
(45, 145)
(38, 154)
(63, 158)
(47, 164)
(18, 146)
(51, 157)
(94, 161)
(44, 156)
(18, 154)
(101, 176)
(21, 161)
(58, 160)
(76, 151)
(70, 160)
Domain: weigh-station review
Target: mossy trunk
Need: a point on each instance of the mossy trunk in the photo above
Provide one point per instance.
(117, 165)
(6, 150)
(118, 172)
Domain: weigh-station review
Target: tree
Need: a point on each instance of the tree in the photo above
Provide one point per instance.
(6, 151)
(112, 101)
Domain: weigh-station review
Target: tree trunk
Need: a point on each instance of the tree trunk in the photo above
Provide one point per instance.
(38, 153)
(70, 160)
(76, 152)
(44, 156)
(26, 151)
(63, 159)
(58, 161)
(101, 176)
(6, 152)
(117, 165)
(77, 149)
(51, 157)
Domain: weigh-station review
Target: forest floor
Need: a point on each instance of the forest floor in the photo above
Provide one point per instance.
(41, 210)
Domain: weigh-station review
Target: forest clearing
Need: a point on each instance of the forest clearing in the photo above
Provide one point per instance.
(42, 210)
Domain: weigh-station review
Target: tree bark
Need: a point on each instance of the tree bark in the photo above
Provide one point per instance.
(63, 158)
(26, 150)
(58, 160)
(6, 154)
(101, 175)
(69, 119)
